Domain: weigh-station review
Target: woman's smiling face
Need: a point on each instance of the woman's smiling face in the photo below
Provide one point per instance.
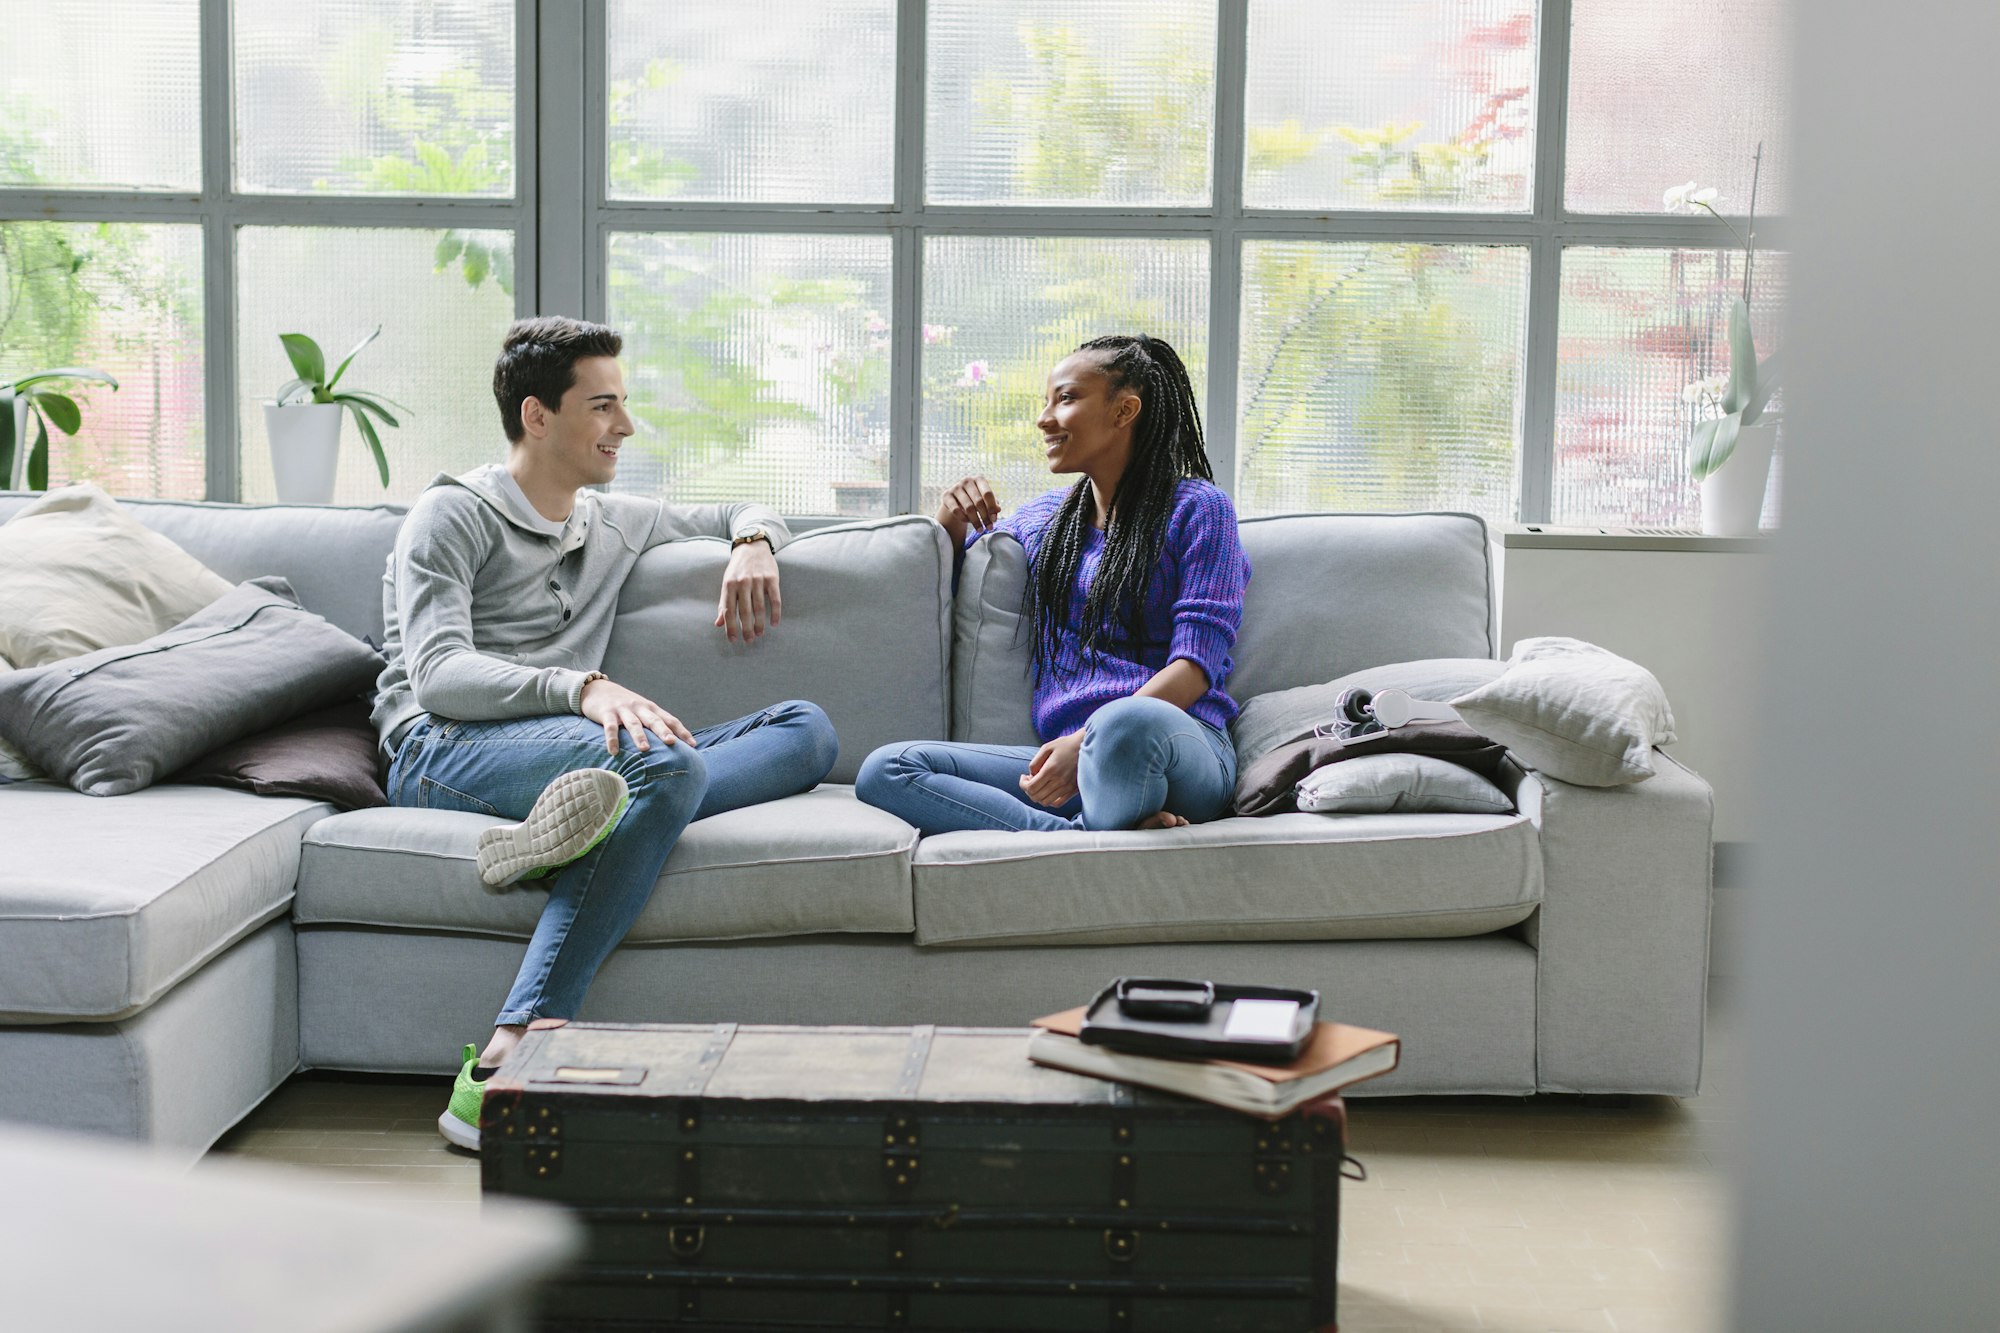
(1086, 424)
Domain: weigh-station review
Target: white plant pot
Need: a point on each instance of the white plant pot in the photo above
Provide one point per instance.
(305, 450)
(1732, 496)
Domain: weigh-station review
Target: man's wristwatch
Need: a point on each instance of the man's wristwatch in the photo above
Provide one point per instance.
(754, 535)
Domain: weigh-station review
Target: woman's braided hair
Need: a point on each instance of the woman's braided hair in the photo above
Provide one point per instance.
(1167, 448)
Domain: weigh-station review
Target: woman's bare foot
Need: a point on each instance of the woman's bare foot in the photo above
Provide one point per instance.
(1164, 819)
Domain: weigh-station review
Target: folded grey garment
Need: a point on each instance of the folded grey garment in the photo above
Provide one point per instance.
(1283, 716)
(119, 719)
(1400, 783)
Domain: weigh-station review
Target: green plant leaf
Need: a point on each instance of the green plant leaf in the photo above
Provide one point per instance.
(1713, 442)
(475, 263)
(6, 437)
(503, 268)
(375, 400)
(66, 373)
(60, 409)
(38, 457)
(1742, 358)
(360, 402)
(449, 247)
(350, 356)
(374, 442)
(290, 387)
(307, 359)
(1768, 377)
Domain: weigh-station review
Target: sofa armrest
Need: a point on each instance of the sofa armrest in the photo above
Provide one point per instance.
(1622, 932)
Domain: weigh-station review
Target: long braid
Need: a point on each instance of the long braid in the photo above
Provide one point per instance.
(1167, 448)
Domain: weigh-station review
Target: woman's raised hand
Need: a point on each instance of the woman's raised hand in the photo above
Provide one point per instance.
(970, 504)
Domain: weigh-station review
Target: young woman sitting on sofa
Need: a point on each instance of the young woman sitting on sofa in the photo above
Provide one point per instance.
(1135, 593)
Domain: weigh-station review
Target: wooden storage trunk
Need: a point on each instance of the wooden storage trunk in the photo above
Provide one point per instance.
(905, 1178)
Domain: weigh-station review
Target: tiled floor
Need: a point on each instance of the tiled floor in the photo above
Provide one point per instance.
(1479, 1212)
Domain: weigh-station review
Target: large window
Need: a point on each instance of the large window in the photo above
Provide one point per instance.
(1414, 252)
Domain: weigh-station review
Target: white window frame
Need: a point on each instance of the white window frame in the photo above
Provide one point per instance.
(562, 219)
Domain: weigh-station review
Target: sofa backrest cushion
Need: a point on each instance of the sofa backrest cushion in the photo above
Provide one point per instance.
(865, 635)
(1329, 594)
(332, 556)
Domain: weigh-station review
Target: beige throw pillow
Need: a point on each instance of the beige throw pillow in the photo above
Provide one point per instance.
(82, 574)
(1574, 711)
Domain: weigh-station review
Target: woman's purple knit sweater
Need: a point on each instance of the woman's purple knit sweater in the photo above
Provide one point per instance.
(1193, 607)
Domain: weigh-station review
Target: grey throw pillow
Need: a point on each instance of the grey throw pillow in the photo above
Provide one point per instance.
(1400, 783)
(119, 719)
(1283, 716)
(1574, 711)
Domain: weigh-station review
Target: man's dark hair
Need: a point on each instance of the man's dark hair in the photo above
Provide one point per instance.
(538, 360)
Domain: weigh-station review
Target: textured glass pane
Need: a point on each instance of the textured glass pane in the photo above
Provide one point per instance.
(375, 96)
(1401, 104)
(780, 101)
(441, 328)
(1662, 92)
(123, 298)
(1380, 377)
(1001, 311)
(758, 368)
(101, 94)
(1039, 101)
(1637, 328)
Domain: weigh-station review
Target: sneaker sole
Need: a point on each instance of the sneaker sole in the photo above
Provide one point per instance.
(458, 1133)
(572, 815)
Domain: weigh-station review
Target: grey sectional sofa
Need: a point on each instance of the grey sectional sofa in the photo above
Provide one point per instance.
(168, 958)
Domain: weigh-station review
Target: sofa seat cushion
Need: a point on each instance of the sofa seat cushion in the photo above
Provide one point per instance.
(812, 864)
(108, 902)
(1282, 877)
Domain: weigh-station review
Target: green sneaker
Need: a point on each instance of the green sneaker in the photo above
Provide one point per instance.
(460, 1122)
(572, 815)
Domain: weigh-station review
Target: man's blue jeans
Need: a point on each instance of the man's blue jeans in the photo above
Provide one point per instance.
(499, 768)
(1139, 757)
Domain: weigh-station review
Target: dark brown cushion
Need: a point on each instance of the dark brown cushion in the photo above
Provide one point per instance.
(1269, 785)
(329, 755)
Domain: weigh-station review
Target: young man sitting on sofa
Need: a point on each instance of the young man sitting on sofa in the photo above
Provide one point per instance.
(498, 604)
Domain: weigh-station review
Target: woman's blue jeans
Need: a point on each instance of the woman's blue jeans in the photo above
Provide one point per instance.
(499, 768)
(1140, 756)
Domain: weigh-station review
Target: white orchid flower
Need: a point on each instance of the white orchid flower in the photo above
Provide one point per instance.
(1707, 196)
(1676, 199)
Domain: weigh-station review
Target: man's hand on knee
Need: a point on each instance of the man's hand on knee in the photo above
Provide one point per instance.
(616, 709)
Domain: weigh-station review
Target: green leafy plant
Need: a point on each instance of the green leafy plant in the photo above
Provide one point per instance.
(1743, 399)
(27, 401)
(313, 386)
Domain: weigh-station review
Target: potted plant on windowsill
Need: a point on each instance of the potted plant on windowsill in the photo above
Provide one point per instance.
(1738, 428)
(304, 423)
(30, 400)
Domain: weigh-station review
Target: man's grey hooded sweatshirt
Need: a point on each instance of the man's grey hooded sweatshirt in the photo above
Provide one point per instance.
(492, 611)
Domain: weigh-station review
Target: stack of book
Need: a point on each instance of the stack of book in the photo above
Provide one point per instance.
(1336, 1056)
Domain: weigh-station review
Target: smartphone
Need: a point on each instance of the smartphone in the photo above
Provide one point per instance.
(1182, 1001)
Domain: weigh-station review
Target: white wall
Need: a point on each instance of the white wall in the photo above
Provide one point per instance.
(1870, 1176)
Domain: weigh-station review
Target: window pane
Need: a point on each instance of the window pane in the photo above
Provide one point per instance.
(1662, 92)
(1638, 327)
(758, 368)
(441, 328)
(102, 93)
(784, 101)
(1380, 377)
(123, 298)
(1038, 101)
(1001, 311)
(375, 97)
(1391, 104)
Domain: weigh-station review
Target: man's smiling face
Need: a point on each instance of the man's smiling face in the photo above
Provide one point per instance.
(582, 436)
